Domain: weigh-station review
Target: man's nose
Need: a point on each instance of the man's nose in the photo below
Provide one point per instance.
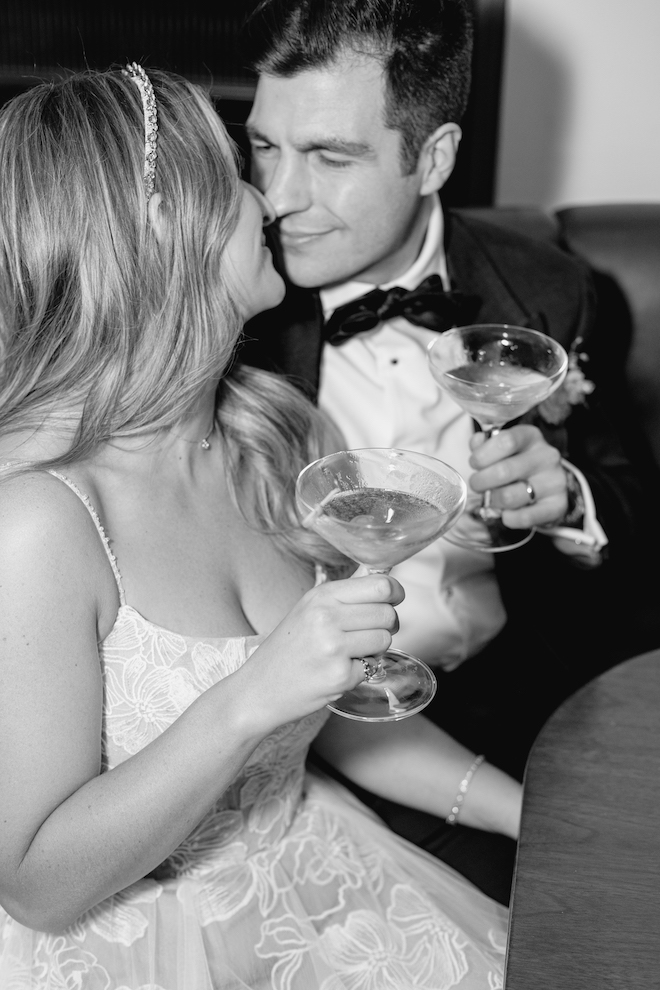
(266, 207)
(287, 186)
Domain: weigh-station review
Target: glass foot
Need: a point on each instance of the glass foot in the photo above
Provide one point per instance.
(405, 689)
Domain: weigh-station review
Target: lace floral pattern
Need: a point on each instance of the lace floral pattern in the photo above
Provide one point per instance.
(286, 884)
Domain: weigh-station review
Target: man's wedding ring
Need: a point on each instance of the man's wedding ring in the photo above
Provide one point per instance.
(531, 494)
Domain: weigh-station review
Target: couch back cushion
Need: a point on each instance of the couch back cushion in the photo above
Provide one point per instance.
(621, 242)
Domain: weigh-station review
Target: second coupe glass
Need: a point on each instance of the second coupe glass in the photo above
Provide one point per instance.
(496, 373)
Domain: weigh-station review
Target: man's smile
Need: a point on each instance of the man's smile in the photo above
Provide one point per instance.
(299, 237)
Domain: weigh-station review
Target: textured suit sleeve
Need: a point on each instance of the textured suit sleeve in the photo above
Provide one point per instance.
(596, 437)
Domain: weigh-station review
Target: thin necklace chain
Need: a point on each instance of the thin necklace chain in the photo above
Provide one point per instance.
(203, 443)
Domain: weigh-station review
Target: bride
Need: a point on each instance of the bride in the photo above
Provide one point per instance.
(165, 660)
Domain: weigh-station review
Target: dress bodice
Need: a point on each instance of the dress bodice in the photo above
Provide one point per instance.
(151, 675)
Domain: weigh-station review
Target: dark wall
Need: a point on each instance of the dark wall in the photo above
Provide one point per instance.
(43, 38)
(192, 38)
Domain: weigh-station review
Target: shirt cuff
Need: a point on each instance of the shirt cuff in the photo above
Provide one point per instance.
(591, 538)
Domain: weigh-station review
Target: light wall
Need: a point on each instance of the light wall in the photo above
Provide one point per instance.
(580, 103)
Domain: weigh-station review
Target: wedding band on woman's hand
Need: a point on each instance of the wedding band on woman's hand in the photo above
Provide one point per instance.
(531, 494)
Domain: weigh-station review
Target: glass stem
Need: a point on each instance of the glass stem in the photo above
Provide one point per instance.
(373, 666)
(486, 512)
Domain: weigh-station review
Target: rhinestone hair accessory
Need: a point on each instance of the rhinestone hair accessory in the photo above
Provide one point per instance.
(143, 83)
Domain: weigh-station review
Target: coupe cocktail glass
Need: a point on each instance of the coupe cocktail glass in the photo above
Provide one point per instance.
(495, 372)
(379, 506)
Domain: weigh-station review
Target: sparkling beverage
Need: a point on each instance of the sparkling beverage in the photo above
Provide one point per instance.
(496, 393)
(380, 527)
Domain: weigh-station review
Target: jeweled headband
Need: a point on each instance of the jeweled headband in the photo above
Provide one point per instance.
(141, 79)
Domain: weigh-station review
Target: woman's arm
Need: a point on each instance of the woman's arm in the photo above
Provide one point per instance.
(69, 835)
(415, 763)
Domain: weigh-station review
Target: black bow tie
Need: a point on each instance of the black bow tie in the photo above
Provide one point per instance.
(426, 306)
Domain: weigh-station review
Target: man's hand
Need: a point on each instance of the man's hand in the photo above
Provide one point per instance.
(510, 461)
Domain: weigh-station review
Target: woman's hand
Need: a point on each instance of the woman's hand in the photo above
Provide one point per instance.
(310, 658)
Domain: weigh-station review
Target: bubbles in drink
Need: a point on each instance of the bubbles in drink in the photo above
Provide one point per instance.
(496, 393)
(379, 526)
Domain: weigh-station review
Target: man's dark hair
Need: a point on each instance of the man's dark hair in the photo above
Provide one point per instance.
(424, 47)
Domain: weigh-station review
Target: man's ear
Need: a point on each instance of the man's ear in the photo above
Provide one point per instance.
(157, 217)
(438, 157)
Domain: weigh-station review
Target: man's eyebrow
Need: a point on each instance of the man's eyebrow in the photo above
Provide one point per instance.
(336, 145)
(254, 133)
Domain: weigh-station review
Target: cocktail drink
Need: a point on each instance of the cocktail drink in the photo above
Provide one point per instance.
(379, 506)
(496, 395)
(497, 373)
(385, 528)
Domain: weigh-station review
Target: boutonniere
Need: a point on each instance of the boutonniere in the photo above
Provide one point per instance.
(573, 391)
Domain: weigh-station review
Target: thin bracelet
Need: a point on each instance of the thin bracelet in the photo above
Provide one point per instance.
(452, 817)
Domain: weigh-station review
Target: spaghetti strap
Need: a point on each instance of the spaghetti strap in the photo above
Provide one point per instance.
(85, 499)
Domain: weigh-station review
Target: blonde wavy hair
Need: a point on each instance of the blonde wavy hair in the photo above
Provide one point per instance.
(100, 320)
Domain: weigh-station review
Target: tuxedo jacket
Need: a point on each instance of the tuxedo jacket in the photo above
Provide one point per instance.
(531, 283)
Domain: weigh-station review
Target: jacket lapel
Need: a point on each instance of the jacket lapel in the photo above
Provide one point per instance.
(473, 269)
(300, 344)
(287, 339)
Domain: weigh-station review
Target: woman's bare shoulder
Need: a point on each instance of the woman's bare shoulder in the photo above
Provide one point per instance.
(34, 502)
(45, 526)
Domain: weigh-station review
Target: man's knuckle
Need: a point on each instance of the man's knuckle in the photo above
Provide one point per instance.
(502, 473)
(509, 441)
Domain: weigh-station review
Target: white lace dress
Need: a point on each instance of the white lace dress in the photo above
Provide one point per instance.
(287, 884)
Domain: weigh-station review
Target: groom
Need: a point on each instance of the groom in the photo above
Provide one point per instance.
(354, 131)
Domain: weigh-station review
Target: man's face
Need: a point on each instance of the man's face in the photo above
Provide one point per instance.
(332, 170)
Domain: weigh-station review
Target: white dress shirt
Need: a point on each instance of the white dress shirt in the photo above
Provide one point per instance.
(378, 389)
